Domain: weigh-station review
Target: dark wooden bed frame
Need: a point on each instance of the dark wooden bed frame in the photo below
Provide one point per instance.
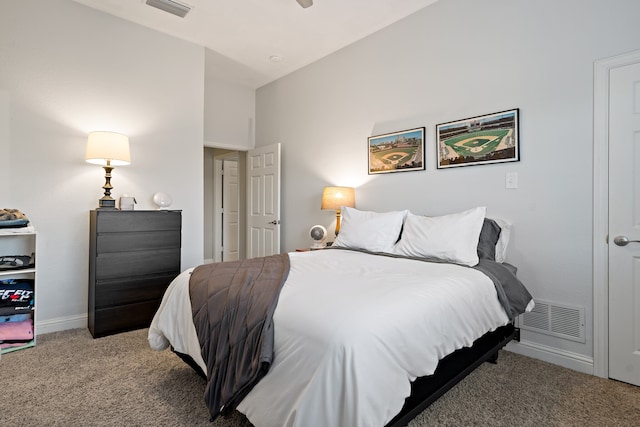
(450, 371)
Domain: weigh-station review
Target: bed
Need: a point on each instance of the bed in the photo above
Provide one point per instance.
(371, 331)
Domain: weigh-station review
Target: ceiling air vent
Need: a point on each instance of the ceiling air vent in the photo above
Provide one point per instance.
(170, 6)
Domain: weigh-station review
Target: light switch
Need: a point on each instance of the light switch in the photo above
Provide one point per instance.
(511, 180)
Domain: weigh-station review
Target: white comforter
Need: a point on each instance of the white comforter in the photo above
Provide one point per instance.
(351, 331)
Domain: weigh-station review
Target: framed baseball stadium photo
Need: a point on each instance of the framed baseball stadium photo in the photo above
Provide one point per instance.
(397, 152)
(492, 138)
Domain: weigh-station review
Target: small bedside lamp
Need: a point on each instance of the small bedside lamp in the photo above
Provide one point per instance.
(335, 198)
(108, 149)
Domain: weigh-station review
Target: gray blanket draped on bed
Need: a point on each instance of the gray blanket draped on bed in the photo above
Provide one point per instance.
(233, 305)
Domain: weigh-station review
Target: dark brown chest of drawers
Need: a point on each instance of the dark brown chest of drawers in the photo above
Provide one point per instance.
(133, 256)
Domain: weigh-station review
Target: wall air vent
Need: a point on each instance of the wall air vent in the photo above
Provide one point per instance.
(170, 6)
(558, 320)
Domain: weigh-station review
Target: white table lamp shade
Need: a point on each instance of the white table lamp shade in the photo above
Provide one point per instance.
(108, 146)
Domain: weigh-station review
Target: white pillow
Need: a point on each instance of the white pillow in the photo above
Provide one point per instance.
(371, 231)
(451, 237)
(503, 240)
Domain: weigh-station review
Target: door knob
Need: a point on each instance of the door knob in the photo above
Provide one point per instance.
(623, 241)
(274, 222)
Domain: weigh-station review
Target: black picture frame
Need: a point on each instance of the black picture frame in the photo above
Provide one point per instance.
(480, 140)
(401, 151)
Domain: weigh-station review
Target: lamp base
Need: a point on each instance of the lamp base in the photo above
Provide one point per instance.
(107, 204)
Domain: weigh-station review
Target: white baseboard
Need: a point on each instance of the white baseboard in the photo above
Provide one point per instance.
(567, 359)
(61, 324)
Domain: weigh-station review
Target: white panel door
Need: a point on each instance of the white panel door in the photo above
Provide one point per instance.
(263, 201)
(624, 224)
(230, 212)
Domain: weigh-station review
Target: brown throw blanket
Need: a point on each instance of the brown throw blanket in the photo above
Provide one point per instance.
(233, 305)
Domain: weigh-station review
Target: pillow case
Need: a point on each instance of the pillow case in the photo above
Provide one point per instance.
(452, 238)
(489, 236)
(371, 231)
(503, 241)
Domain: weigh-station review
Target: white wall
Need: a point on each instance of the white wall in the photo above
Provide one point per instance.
(453, 60)
(229, 107)
(229, 124)
(5, 145)
(67, 70)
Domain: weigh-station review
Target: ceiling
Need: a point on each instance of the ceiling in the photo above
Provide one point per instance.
(254, 42)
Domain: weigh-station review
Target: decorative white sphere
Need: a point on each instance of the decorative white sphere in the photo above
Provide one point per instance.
(162, 200)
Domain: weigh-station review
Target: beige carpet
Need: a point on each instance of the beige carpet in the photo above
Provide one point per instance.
(70, 379)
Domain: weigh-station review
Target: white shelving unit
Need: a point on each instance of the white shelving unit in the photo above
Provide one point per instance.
(18, 241)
